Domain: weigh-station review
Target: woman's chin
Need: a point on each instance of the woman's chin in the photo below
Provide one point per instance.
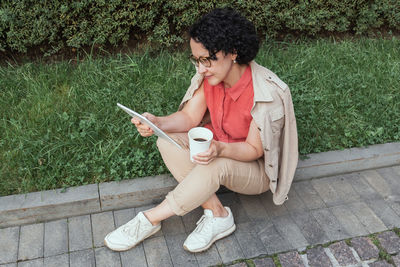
(212, 81)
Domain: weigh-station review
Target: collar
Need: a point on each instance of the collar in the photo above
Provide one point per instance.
(238, 88)
(260, 76)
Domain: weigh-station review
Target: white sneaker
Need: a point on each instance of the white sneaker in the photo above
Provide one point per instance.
(209, 229)
(130, 234)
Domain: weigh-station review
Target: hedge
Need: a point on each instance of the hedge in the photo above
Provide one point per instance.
(53, 25)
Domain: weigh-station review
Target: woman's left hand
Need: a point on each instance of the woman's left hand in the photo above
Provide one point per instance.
(206, 157)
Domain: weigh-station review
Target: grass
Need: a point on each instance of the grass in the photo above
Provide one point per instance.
(383, 255)
(60, 125)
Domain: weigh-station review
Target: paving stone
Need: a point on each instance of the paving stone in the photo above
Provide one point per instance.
(310, 228)
(239, 264)
(82, 258)
(344, 189)
(342, 253)
(294, 202)
(253, 207)
(173, 226)
(391, 177)
(395, 205)
(31, 263)
(361, 186)
(9, 244)
(317, 257)
(102, 224)
(9, 265)
(227, 197)
(384, 212)
(396, 169)
(190, 219)
(308, 194)
(327, 192)
(365, 248)
(179, 256)
(156, 251)
(380, 264)
(290, 231)
(58, 260)
(264, 262)
(80, 233)
(377, 182)
(229, 249)
(272, 209)
(390, 242)
(367, 217)
(210, 257)
(330, 224)
(249, 241)
(232, 200)
(396, 260)
(290, 259)
(271, 238)
(123, 216)
(349, 221)
(107, 258)
(31, 242)
(55, 238)
(134, 257)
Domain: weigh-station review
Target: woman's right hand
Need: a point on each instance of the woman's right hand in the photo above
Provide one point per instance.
(143, 129)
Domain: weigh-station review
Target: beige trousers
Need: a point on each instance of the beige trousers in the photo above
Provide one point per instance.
(197, 183)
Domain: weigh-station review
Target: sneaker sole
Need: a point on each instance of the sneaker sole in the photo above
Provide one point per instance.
(128, 248)
(217, 237)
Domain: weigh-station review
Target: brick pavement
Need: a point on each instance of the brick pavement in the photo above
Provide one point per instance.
(344, 220)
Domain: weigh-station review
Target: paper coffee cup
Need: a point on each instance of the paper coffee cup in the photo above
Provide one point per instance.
(199, 140)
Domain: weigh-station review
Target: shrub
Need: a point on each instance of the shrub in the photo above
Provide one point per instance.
(53, 25)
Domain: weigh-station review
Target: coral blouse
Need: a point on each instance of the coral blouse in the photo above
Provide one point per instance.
(230, 108)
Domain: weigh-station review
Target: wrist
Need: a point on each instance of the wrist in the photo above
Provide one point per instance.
(220, 148)
(158, 122)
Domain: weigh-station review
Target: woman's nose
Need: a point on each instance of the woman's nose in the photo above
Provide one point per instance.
(201, 69)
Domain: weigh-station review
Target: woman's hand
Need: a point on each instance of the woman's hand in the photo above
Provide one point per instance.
(143, 129)
(206, 157)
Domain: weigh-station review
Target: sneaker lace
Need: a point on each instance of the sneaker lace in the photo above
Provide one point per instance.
(204, 221)
(132, 231)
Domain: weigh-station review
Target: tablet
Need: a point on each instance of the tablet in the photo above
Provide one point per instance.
(144, 120)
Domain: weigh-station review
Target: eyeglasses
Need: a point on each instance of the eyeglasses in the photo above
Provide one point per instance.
(205, 61)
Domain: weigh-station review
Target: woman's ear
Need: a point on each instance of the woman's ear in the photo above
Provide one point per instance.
(234, 55)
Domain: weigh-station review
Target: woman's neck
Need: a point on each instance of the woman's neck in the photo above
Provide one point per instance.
(234, 75)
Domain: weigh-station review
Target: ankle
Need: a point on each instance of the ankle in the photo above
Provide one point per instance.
(147, 214)
(220, 212)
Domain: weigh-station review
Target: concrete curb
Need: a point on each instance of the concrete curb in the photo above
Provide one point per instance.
(56, 204)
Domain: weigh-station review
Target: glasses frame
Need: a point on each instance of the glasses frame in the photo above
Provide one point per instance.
(205, 61)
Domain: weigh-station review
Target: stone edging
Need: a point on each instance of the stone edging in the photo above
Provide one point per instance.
(59, 203)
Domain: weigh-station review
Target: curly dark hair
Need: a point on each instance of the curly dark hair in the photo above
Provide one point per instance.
(224, 29)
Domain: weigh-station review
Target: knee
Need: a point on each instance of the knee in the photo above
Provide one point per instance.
(162, 145)
(216, 170)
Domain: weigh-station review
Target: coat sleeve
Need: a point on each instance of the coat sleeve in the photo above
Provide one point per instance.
(195, 83)
(289, 150)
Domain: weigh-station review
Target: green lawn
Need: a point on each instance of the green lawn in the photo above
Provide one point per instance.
(60, 125)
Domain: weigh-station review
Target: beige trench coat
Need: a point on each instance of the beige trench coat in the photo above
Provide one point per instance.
(274, 115)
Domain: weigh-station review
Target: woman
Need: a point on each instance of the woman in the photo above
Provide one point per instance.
(250, 113)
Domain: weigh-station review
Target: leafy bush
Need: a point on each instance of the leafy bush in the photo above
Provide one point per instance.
(54, 25)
